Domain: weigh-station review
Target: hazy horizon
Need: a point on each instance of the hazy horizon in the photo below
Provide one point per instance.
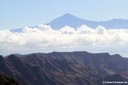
(17, 14)
(43, 38)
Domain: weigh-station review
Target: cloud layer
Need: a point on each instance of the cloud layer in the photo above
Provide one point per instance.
(43, 38)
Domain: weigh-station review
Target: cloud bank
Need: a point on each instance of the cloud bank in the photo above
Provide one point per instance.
(43, 38)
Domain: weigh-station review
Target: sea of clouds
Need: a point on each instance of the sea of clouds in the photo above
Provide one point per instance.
(43, 38)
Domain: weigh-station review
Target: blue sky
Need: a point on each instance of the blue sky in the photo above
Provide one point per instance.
(20, 13)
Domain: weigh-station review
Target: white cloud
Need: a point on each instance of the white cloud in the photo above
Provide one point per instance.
(44, 39)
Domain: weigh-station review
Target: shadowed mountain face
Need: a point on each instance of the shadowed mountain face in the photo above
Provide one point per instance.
(75, 22)
(5, 80)
(65, 68)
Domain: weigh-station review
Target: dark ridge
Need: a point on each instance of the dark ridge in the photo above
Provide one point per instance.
(62, 68)
(4, 67)
(5, 80)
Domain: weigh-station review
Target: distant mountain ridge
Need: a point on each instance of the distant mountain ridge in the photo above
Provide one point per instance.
(75, 22)
(65, 68)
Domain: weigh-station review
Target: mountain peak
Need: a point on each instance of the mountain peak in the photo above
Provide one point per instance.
(69, 15)
(66, 20)
(75, 22)
(66, 17)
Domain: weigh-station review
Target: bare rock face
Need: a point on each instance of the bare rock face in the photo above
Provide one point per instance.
(65, 68)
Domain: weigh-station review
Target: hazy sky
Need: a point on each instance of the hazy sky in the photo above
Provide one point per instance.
(20, 13)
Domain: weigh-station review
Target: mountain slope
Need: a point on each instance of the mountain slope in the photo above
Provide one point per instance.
(115, 79)
(62, 68)
(75, 22)
(5, 80)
